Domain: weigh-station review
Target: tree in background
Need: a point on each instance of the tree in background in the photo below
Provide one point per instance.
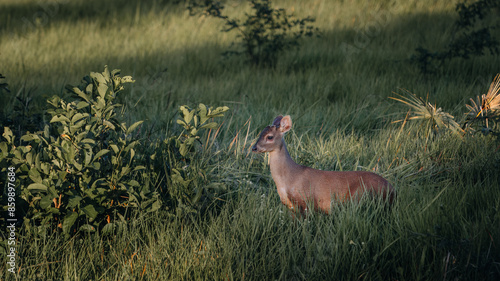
(474, 36)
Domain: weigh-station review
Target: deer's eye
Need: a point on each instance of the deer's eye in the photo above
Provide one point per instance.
(270, 137)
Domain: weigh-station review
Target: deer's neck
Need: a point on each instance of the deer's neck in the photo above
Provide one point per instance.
(283, 169)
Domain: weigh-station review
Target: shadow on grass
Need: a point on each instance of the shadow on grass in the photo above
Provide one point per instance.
(378, 48)
(19, 17)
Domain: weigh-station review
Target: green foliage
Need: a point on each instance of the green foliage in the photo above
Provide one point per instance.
(265, 33)
(186, 187)
(80, 171)
(473, 38)
(88, 167)
(194, 120)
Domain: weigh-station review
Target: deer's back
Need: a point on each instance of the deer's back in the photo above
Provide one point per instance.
(321, 187)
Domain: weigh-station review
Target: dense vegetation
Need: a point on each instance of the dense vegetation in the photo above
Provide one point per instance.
(159, 186)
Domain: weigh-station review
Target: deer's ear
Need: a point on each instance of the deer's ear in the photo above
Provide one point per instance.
(285, 124)
(277, 120)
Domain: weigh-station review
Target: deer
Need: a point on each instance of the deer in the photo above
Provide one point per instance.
(299, 186)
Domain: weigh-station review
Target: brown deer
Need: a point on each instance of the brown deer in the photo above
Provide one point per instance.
(300, 185)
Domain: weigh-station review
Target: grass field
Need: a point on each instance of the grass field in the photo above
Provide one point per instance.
(444, 225)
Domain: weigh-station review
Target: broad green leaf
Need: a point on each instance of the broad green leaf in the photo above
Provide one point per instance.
(82, 104)
(108, 229)
(88, 157)
(133, 127)
(137, 168)
(54, 100)
(125, 171)
(189, 142)
(218, 111)
(133, 183)
(108, 124)
(78, 117)
(87, 228)
(46, 132)
(30, 137)
(54, 211)
(211, 125)
(37, 187)
(101, 104)
(61, 119)
(102, 89)
(46, 201)
(90, 211)
(98, 77)
(195, 118)
(29, 158)
(183, 149)
(106, 74)
(203, 113)
(52, 191)
(115, 148)
(189, 117)
(35, 175)
(74, 128)
(132, 154)
(103, 152)
(74, 201)
(91, 141)
(38, 164)
(131, 145)
(96, 165)
(202, 110)
(89, 89)
(184, 110)
(182, 123)
(3, 147)
(80, 94)
(7, 134)
(69, 221)
(77, 165)
(45, 167)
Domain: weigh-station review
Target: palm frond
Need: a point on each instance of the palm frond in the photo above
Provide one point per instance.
(427, 112)
(486, 106)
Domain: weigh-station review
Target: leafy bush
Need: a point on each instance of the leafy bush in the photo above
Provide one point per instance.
(80, 170)
(185, 184)
(265, 33)
(473, 39)
(86, 168)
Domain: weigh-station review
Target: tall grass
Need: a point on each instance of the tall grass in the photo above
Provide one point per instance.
(429, 234)
(443, 226)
